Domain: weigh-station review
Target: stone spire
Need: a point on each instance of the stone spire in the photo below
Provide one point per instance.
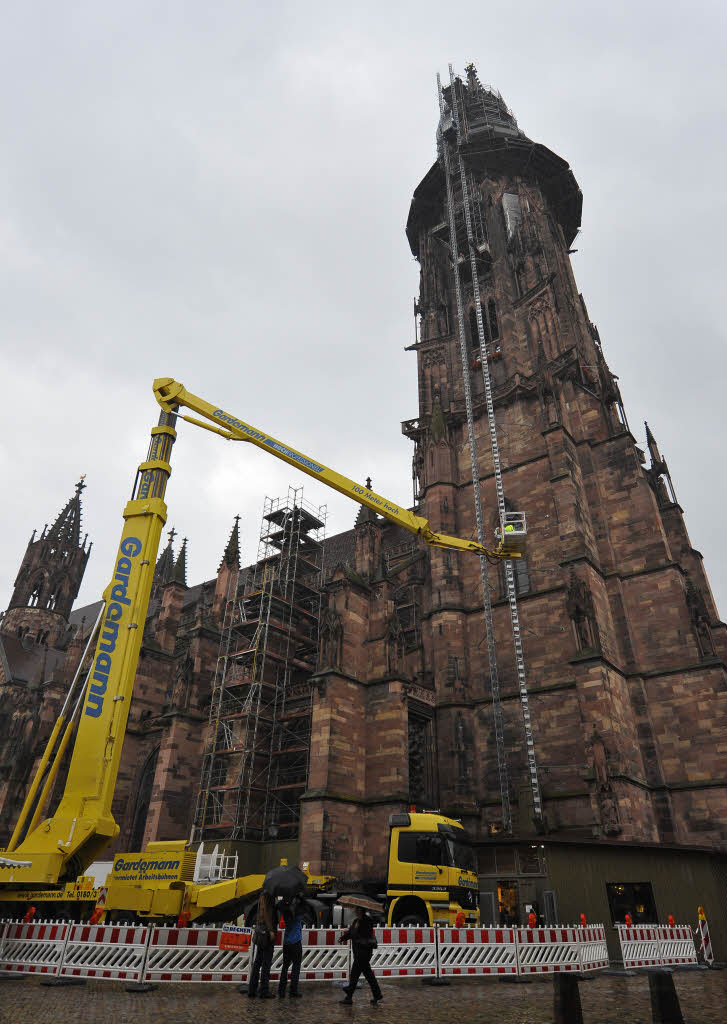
(231, 557)
(66, 530)
(165, 565)
(365, 514)
(50, 574)
(179, 573)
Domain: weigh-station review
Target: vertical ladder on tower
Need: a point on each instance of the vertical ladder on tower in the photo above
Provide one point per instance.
(512, 526)
(491, 650)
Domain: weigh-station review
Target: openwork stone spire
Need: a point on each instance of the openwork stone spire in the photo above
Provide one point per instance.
(231, 557)
(179, 573)
(52, 569)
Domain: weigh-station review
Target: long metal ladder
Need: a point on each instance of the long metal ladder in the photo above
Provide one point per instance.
(459, 124)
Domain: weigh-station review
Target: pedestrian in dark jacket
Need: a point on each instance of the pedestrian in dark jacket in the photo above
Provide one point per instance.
(292, 914)
(363, 943)
(263, 938)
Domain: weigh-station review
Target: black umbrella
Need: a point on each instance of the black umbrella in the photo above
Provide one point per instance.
(286, 881)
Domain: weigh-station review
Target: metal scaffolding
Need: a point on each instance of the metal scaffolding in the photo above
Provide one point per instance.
(255, 764)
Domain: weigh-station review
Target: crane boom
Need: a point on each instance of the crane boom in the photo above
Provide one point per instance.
(65, 844)
(171, 395)
(83, 825)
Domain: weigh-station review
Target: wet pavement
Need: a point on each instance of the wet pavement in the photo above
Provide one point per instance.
(608, 999)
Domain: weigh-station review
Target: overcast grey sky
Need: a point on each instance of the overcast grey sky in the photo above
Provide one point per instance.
(217, 192)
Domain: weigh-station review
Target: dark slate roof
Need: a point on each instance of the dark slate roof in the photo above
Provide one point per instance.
(339, 550)
(90, 611)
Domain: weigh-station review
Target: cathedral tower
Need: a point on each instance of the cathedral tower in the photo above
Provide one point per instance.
(621, 638)
(49, 578)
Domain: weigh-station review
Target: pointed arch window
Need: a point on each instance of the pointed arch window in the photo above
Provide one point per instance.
(143, 799)
(36, 592)
(55, 595)
(474, 339)
(492, 316)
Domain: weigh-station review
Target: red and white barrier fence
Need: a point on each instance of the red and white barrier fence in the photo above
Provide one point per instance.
(193, 954)
(473, 951)
(106, 951)
(547, 950)
(656, 945)
(405, 953)
(35, 948)
(593, 948)
(323, 958)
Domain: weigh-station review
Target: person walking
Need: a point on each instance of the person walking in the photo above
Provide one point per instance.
(263, 939)
(363, 943)
(292, 914)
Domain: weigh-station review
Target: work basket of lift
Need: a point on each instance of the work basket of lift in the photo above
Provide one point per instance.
(512, 533)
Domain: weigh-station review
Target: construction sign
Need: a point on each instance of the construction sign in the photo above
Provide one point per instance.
(233, 936)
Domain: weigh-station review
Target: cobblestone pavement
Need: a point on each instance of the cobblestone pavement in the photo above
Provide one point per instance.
(606, 1000)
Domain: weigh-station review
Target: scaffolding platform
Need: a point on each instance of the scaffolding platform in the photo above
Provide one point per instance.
(256, 755)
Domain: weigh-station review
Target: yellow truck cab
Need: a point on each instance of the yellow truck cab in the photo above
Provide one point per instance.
(432, 871)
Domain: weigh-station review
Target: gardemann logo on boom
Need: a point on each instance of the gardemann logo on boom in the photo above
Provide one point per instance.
(130, 548)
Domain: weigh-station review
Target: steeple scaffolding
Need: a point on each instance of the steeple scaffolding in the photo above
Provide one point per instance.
(255, 764)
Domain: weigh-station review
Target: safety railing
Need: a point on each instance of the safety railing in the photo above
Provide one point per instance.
(656, 945)
(145, 953)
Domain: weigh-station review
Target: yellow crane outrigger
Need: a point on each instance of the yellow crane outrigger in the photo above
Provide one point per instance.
(59, 849)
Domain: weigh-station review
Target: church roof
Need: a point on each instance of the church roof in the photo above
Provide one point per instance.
(89, 612)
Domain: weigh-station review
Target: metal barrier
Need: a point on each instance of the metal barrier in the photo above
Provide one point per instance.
(405, 953)
(677, 945)
(323, 958)
(105, 951)
(593, 948)
(547, 950)
(656, 945)
(170, 954)
(193, 954)
(34, 948)
(476, 951)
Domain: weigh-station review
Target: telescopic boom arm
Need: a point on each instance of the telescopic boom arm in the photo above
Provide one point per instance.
(63, 845)
(171, 395)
